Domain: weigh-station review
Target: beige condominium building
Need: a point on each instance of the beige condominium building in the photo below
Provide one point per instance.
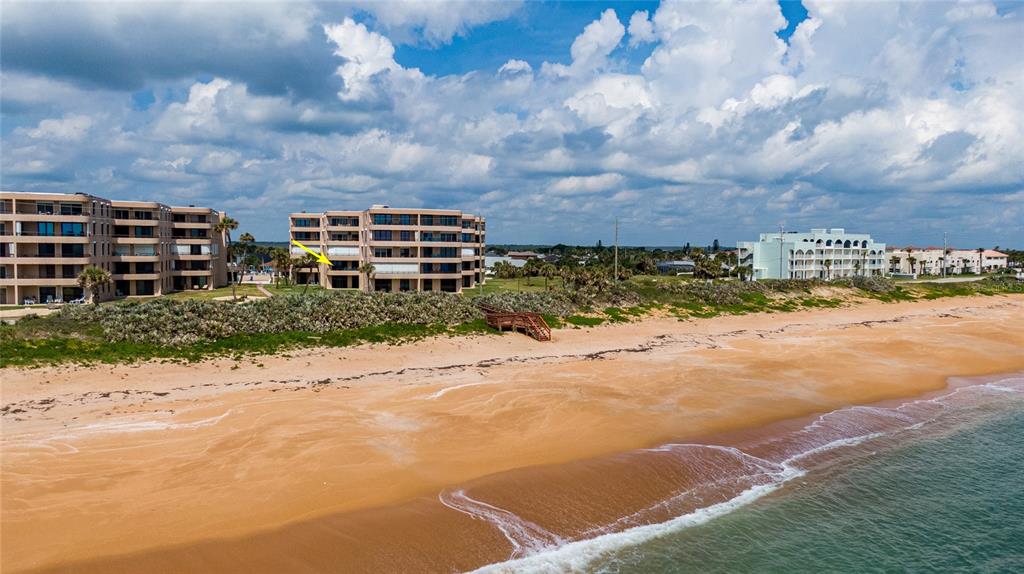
(149, 248)
(409, 249)
(912, 260)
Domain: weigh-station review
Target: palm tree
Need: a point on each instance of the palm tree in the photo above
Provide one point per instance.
(981, 259)
(913, 264)
(308, 262)
(894, 261)
(548, 271)
(91, 279)
(856, 267)
(225, 226)
(828, 269)
(282, 262)
(246, 239)
(368, 270)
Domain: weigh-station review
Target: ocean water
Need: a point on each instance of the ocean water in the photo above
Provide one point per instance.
(934, 485)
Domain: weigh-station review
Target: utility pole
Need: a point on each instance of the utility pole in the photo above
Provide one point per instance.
(944, 250)
(616, 249)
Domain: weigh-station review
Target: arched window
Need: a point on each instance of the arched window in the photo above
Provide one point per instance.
(847, 244)
(828, 243)
(855, 243)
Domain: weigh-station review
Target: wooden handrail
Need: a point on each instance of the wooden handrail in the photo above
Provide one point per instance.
(530, 323)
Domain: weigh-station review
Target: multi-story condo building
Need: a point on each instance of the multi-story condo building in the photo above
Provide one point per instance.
(409, 249)
(912, 260)
(149, 248)
(820, 254)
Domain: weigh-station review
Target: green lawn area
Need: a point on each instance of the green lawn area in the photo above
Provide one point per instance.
(11, 307)
(532, 284)
(242, 290)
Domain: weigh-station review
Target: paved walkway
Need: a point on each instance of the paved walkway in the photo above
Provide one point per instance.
(264, 290)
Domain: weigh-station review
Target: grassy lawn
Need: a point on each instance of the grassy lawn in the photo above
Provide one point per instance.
(241, 290)
(526, 284)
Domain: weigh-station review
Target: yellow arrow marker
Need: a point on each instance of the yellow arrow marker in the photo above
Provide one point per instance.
(320, 257)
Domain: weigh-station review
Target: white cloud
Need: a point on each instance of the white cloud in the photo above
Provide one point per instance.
(591, 48)
(366, 54)
(641, 30)
(437, 22)
(70, 128)
(581, 185)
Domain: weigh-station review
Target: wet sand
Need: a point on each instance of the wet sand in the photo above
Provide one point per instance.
(405, 458)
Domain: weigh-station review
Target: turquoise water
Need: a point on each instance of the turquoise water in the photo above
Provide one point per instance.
(934, 484)
(950, 499)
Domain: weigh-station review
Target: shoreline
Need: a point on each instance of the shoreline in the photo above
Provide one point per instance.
(413, 422)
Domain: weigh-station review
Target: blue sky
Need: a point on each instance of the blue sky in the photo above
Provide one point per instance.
(689, 121)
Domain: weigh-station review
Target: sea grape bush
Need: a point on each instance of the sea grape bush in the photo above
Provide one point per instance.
(733, 292)
(556, 303)
(186, 321)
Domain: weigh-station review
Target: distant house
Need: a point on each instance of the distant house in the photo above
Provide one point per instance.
(522, 255)
(491, 260)
(676, 267)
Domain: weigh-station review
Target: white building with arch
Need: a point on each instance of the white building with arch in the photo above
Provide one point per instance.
(820, 254)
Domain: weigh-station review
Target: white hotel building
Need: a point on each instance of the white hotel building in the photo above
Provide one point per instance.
(820, 254)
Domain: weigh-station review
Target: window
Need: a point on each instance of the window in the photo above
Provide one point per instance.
(406, 219)
(71, 209)
(44, 228)
(382, 219)
(445, 237)
(381, 235)
(382, 252)
(449, 220)
(302, 222)
(468, 238)
(72, 250)
(404, 285)
(144, 268)
(141, 231)
(44, 208)
(122, 267)
(72, 229)
(145, 215)
(406, 236)
(344, 221)
(120, 214)
(47, 250)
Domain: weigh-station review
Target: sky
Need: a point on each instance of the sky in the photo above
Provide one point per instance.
(687, 121)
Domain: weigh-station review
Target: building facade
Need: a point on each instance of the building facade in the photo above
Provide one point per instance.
(409, 249)
(820, 254)
(47, 239)
(912, 260)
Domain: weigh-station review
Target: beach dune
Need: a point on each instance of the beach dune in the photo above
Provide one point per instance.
(445, 454)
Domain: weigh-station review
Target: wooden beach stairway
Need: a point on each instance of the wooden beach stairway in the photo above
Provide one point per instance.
(531, 324)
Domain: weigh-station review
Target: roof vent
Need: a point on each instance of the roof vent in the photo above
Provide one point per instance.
(379, 206)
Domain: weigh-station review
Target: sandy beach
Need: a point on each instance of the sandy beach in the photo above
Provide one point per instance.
(380, 458)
